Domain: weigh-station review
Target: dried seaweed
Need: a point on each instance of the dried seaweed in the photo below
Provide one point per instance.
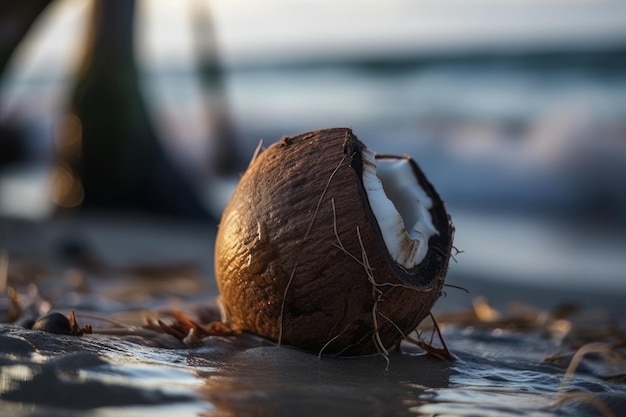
(191, 333)
(76, 329)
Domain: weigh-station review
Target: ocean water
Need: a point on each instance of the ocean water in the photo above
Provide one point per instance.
(528, 151)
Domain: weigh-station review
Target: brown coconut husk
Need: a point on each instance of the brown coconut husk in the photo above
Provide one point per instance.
(300, 259)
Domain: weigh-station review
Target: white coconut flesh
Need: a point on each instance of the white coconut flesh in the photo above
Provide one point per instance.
(401, 207)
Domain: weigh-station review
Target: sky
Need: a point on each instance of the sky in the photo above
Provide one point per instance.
(250, 31)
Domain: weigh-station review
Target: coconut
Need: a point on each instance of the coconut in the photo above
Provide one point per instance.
(331, 248)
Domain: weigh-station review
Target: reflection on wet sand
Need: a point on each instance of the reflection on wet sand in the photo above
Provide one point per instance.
(284, 381)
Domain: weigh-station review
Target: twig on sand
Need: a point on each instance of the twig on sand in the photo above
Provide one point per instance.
(443, 352)
(609, 351)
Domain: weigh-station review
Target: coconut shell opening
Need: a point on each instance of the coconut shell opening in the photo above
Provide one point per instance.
(400, 206)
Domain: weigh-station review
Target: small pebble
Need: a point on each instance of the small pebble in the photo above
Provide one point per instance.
(53, 323)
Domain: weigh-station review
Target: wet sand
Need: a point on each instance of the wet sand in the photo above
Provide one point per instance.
(124, 269)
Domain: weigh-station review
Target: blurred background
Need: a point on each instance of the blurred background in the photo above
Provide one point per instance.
(516, 111)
